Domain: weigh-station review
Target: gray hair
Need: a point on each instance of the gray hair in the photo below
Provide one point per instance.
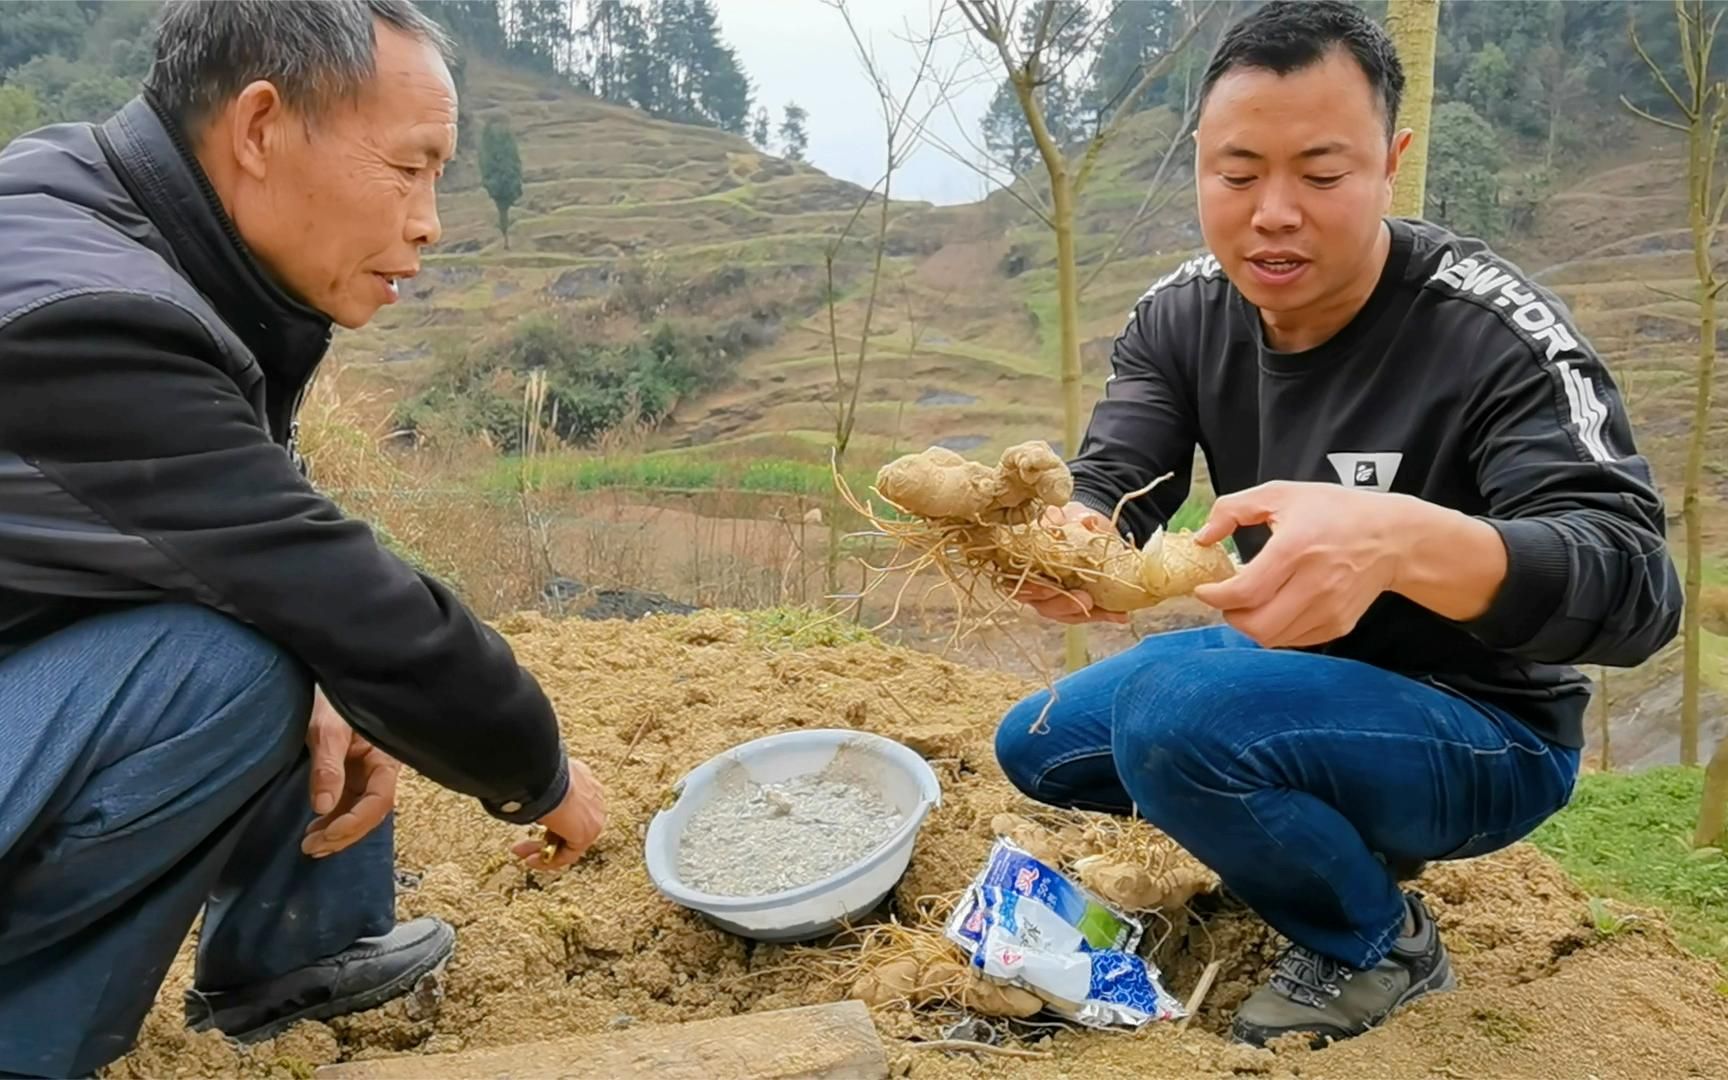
(315, 52)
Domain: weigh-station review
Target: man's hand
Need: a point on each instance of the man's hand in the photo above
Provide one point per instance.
(353, 782)
(1075, 605)
(1333, 551)
(574, 824)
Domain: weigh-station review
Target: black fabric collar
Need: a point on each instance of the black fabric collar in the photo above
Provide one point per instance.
(287, 337)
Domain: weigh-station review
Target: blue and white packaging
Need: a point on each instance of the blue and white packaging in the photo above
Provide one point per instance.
(1028, 945)
(1023, 923)
(1011, 869)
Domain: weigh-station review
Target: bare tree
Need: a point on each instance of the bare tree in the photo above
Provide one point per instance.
(1703, 109)
(1029, 66)
(901, 128)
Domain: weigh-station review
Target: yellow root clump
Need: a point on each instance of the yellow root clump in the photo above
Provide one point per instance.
(1127, 863)
(939, 483)
(990, 520)
(903, 980)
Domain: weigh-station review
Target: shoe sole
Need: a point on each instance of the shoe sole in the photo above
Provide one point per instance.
(1439, 980)
(369, 999)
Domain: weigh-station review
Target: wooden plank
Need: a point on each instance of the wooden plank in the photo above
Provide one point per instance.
(818, 1042)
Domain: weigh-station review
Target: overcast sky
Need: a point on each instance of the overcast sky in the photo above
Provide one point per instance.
(800, 50)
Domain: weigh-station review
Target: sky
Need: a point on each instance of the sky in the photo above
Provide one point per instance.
(800, 50)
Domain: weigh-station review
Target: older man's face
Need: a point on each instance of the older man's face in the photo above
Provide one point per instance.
(345, 204)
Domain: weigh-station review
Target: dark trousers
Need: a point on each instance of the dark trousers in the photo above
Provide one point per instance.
(152, 764)
(1298, 778)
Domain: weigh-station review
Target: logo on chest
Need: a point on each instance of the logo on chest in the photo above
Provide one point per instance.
(1373, 471)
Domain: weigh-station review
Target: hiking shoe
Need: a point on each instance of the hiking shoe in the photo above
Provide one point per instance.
(1316, 994)
(365, 975)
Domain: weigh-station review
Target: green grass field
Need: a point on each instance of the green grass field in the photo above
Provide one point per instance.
(1627, 837)
(668, 472)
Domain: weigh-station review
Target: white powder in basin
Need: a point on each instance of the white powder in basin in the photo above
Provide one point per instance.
(751, 839)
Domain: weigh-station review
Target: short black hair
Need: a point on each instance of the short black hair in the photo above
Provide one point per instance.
(1288, 35)
(315, 51)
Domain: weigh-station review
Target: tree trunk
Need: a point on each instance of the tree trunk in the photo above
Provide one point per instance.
(1702, 147)
(504, 225)
(1713, 813)
(1068, 301)
(1556, 80)
(1414, 26)
(1553, 134)
(1607, 761)
(831, 569)
(1067, 294)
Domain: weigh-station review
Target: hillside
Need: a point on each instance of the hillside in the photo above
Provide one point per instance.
(650, 215)
(626, 219)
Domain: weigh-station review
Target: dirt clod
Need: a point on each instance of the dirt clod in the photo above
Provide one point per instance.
(1541, 992)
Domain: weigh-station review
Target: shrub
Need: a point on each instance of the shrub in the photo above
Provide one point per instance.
(592, 388)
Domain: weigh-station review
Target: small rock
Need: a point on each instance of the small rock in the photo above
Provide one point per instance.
(621, 1021)
(427, 997)
(973, 1029)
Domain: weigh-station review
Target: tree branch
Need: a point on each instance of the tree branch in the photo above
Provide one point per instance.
(1041, 36)
(1152, 74)
(1080, 50)
(1653, 119)
(1012, 187)
(1671, 295)
(1632, 28)
(980, 16)
(1054, 163)
(1152, 188)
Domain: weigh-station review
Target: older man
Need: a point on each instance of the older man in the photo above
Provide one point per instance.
(184, 622)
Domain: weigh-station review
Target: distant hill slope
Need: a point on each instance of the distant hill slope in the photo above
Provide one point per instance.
(630, 216)
(625, 218)
(613, 200)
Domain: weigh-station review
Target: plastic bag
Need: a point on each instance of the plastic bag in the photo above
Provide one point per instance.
(1023, 923)
(1011, 869)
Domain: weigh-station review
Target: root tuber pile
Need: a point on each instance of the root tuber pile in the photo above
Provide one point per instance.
(1127, 863)
(974, 521)
(903, 980)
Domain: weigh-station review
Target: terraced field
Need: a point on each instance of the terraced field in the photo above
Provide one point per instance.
(626, 218)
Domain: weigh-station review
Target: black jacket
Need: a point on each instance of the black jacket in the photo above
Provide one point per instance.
(1459, 382)
(149, 376)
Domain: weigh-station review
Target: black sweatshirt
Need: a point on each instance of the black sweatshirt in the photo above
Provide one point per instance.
(149, 376)
(1459, 382)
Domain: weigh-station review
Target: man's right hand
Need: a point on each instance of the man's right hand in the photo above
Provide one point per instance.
(575, 823)
(1074, 605)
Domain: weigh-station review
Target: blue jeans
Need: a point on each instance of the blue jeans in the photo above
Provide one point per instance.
(1300, 779)
(152, 764)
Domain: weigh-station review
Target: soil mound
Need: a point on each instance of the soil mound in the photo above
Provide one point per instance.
(1543, 991)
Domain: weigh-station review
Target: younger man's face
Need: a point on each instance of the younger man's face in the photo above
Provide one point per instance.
(1293, 174)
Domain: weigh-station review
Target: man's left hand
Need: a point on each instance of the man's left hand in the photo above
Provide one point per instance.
(353, 782)
(1332, 552)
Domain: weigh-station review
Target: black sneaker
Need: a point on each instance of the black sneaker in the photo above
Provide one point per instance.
(365, 975)
(1316, 994)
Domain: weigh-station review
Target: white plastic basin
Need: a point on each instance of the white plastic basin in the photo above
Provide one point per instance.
(902, 777)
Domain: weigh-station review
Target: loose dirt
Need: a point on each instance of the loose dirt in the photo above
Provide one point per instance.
(1542, 991)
